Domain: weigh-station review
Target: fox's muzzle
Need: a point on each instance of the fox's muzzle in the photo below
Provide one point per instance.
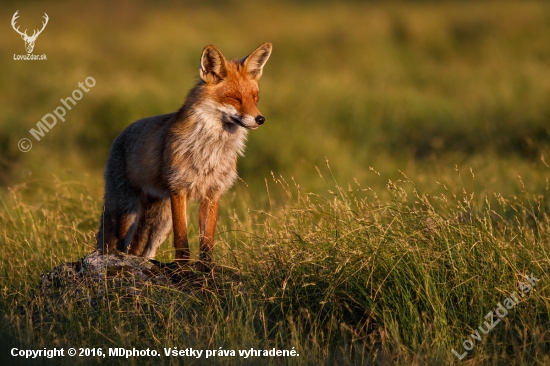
(248, 122)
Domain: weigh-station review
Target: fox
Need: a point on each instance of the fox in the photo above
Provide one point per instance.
(159, 164)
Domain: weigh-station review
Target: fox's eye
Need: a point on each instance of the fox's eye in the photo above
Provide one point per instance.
(234, 98)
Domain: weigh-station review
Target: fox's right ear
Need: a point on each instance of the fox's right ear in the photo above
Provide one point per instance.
(213, 65)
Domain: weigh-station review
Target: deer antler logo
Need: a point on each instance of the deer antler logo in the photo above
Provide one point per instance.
(29, 41)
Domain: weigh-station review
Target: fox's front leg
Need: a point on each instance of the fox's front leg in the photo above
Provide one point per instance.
(208, 217)
(179, 223)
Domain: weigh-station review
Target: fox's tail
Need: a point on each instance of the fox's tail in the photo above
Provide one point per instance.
(106, 238)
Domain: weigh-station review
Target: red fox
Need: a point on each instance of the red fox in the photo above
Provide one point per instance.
(157, 164)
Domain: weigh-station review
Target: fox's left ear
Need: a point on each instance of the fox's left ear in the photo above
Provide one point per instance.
(254, 63)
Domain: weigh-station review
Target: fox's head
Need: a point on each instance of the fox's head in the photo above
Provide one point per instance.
(233, 86)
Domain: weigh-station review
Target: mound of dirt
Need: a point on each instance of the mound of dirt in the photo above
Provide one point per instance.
(121, 280)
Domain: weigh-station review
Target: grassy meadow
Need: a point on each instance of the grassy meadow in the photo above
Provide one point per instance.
(397, 193)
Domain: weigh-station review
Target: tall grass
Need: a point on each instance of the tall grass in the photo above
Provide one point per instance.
(347, 277)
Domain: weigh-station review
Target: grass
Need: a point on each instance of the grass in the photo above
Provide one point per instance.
(433, 116)
(349, 279)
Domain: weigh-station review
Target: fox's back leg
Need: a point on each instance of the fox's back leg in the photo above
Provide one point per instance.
(155, 224)
(116, 230)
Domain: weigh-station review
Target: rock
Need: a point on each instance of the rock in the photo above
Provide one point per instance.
(121, 281)
(124, 274)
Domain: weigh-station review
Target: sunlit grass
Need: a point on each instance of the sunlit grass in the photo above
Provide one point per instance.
(399, 276)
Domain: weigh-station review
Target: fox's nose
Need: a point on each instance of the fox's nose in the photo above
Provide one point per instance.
(260, 120)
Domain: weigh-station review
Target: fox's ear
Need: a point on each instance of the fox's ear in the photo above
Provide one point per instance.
(254, 63)
(213, 65)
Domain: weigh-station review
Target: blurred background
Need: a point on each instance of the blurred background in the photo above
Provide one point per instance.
(419, 87)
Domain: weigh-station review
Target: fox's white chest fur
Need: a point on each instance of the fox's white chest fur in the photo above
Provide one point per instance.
(205, 154)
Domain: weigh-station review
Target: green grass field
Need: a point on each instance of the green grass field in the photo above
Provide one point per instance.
(397, 193)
